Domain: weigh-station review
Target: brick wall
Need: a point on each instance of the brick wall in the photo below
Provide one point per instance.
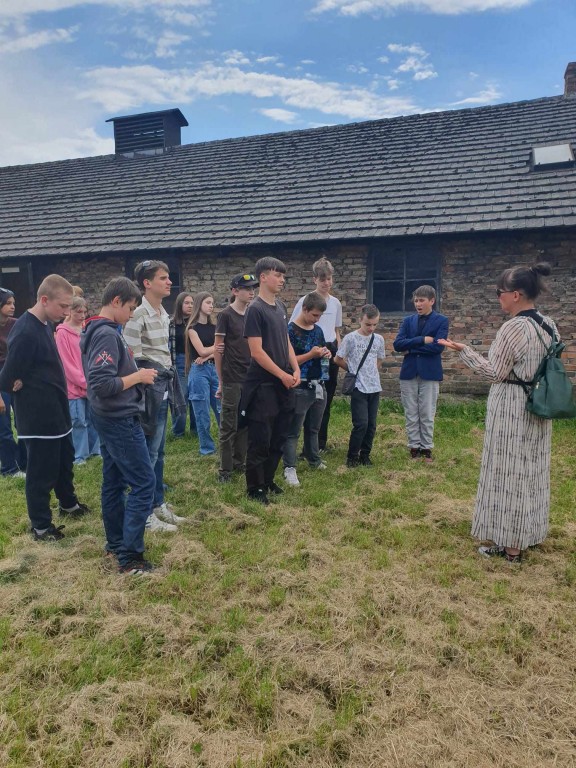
(470, 267)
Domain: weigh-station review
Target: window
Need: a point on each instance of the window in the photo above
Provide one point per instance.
(396, 273)
(552, 156)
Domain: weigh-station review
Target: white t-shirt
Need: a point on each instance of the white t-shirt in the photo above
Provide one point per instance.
(330, 320)
(352, 350)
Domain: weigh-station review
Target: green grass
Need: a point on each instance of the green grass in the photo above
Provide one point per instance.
(350, 623)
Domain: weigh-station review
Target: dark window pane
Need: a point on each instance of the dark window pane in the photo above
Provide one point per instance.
(420, 266)
(389, 267)
(388, 296)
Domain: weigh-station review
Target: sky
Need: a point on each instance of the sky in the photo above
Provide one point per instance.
(245, 67)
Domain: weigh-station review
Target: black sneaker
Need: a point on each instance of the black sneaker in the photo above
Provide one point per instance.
(427, 454)
(275, 489)
(366, 461)
(414, 453)
(50, 534)
(259, 495)
(224, 477)
(79, 511)
(138, 567)
(352, 463)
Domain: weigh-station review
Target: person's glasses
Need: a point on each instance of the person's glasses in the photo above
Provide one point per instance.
(499, 292)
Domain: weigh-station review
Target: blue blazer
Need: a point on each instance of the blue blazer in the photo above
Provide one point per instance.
(421, 359)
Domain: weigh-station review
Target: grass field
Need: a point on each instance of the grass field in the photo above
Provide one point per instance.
(351, 623)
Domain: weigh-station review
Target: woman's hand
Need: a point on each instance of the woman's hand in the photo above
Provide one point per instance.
(455, 346)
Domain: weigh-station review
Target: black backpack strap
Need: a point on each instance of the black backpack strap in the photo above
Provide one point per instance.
(365, 355)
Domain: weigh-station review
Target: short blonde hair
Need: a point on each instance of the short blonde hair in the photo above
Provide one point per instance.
(51, 285)
(77, 302)
(77, 291)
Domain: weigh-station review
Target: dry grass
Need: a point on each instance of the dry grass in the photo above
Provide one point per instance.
(349, 624)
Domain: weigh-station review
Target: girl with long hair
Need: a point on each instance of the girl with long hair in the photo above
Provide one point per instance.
(178, 322)
(202, 376)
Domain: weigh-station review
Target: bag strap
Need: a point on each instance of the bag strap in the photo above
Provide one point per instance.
(368, 348)
(527, 385)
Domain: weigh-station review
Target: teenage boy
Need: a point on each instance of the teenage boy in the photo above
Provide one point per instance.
(268, 393)
(232, 358)
(33, 372)
(421, 371)
(330, 322)
(147, 334)
(116, 397)
(307, 339)
(366, 395)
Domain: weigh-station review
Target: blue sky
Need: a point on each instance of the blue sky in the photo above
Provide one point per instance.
(241, 67)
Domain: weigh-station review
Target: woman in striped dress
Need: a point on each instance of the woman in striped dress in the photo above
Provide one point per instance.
(513, 498)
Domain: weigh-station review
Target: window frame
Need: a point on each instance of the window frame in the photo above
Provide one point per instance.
(406, 250)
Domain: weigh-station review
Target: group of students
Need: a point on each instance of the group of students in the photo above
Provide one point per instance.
(265, 378)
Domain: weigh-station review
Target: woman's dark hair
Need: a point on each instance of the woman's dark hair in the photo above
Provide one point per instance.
(124, 288)
(526, 280)
(5, 294)
(178, 316)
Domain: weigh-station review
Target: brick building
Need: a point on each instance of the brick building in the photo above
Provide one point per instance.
(447, 198)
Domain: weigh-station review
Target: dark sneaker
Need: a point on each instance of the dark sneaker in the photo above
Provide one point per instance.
(415, 453)
(50, 534)
(427, 454)
(78, 511)
(136, 568)
(366, 461)
(496, 551)
(352, 463)
(275, 489)
(259, 495)
(224, 477)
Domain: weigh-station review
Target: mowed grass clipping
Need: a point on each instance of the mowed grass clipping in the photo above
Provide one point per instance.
(351, 623)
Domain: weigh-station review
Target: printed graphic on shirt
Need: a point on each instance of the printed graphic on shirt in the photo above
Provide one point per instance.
(103, 359)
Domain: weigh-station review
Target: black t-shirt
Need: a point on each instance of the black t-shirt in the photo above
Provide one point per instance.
(236, 357)
(206, 333)
(4, 332)
(41, 406)
(179, 338)
(270, 323)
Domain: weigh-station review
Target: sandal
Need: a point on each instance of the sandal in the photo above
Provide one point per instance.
(496, 551)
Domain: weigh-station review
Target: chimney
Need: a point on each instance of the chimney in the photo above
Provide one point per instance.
(150, 133)
(570, 79)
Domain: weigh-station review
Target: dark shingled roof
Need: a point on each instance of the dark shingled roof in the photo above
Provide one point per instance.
(442, 172)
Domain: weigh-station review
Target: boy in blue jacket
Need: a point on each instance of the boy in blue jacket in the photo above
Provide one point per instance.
(116, 397)
(421, 371)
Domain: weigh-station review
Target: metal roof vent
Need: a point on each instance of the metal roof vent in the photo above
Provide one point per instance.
(149, 133)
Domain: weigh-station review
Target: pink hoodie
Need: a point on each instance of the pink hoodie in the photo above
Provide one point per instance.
(68, 343)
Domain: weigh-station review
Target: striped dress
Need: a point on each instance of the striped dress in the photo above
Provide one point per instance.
(513, 498)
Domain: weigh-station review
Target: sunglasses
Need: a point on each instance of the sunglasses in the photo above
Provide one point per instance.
(499, 292)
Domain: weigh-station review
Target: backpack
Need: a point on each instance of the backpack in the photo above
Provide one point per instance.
(550, 391)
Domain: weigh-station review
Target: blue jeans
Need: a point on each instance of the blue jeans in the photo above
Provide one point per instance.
(202, 386)
(308, 412)
(84, 436)
(125, 464)
(179, 422)
(156, 443)
(12, 453)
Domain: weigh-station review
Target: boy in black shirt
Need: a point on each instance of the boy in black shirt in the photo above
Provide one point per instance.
(34, 373)
(268, 392)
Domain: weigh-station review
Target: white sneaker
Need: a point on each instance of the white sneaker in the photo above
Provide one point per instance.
(166, 513)
(156, 526)
(291, 477)
(21, 475)
(321, 466)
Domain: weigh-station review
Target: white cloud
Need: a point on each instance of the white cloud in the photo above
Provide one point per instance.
(393, 84)
(488, 95)
(446, 7)
(16, 8)
(168, 43)
(308, 61)
(357, 69)
(266, 59)
(235, 58)
(123, 88)
(415, 62)
(180, 18)
(383, 59)
(280, 115)
(34, 40)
